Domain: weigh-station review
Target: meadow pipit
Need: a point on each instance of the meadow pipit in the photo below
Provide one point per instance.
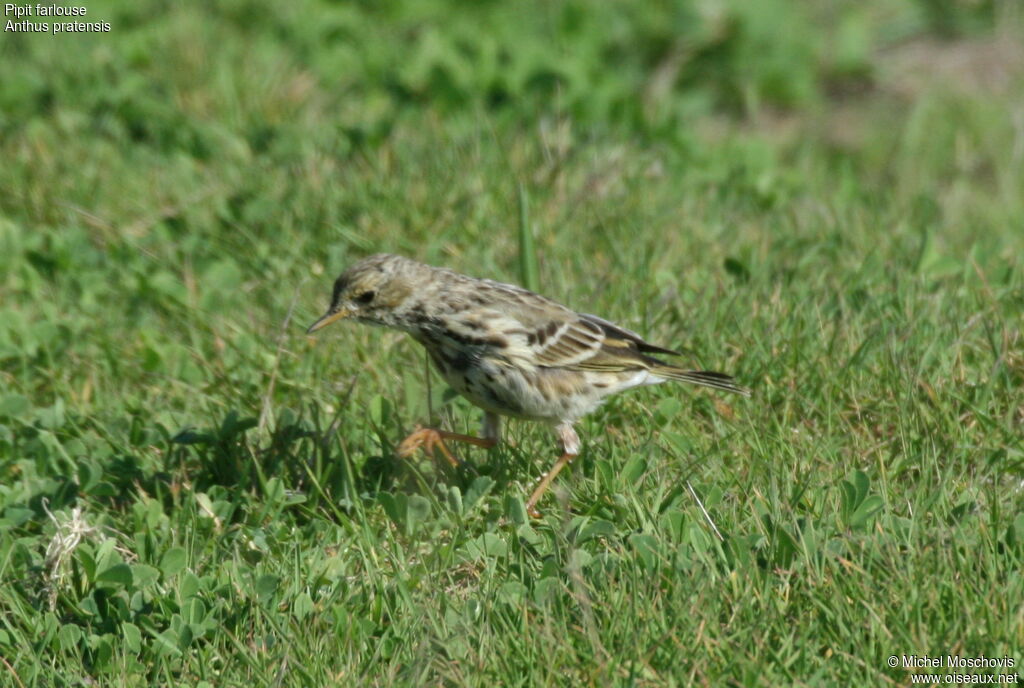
(508, 350)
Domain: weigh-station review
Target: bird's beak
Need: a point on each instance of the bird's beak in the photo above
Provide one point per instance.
(328, 318)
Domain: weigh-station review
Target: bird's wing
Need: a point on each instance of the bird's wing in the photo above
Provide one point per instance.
(565, 339)
(614, 332)
(544, 333)
(566, 342)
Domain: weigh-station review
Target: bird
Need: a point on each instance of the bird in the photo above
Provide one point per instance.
(509, 351)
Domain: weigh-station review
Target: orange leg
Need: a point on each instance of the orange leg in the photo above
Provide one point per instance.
(429, 439)
(545, 482)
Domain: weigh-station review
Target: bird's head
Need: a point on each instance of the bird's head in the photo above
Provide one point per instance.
(370, 291)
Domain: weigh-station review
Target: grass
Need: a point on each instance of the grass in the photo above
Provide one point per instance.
(192, 492)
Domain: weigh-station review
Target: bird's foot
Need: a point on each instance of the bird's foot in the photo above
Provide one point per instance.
(545, 482)
(428, 439)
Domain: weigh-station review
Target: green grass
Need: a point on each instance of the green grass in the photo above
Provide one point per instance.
(839, 232)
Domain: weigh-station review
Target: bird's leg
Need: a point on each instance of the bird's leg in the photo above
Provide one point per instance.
(570, 450)
(429, 438)
(490, 427)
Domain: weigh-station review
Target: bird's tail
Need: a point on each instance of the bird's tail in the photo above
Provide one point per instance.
(704, 378)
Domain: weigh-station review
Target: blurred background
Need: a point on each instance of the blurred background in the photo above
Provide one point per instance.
(219, 162)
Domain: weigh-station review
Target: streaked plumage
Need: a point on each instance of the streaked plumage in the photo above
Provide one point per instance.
(508, 350)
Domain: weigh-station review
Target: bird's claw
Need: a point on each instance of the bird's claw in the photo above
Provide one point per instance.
(427, 439)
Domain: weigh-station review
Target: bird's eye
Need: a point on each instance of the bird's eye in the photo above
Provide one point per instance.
(366, 297)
